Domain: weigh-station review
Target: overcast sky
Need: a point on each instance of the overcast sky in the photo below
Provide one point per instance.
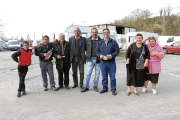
(44, 16)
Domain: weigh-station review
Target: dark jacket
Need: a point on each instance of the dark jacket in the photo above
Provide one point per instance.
(57, 50)
(41, 49)
(111, 48)
(132, 55)
(89, 48)
(82, 45)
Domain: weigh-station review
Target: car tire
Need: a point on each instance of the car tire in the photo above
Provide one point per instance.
(165, 50)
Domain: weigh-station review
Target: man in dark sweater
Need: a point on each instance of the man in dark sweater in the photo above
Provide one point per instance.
(92, 60)
(46, 64)
(77, 56)
(107, 50)
(24, 61)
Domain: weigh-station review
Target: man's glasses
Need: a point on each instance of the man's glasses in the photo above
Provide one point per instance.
(105, 32)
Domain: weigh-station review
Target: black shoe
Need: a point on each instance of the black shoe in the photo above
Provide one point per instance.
(102, 91)
(19, 94)
(74, 86)
(45, 89)
(114, 93)
(96, 89)
(24, 92)
(81, 86)
(84, 89)
(58, 88)
(67, 87)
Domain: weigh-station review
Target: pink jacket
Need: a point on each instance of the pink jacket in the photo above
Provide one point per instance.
(154, 63)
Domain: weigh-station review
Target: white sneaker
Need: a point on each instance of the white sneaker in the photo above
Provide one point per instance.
(154, 92)
(144, 90)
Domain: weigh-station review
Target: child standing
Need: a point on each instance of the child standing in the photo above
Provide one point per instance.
(24, 61)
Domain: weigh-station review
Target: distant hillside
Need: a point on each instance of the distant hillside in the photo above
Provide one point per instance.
(142, 20)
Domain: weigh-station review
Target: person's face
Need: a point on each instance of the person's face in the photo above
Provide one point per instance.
(152, 42)
(45, 41)
(77, 32)
(94, 33)
(61, 38)
(139, 39)
(106, 34)
(25, 46)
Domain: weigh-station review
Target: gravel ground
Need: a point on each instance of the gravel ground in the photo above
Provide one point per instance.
(72, 104)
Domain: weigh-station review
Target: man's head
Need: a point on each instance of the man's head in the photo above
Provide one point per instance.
(25, 45)
(106, 33)
(61, 37)
(45, 40)
(77, 31)
(94, 32)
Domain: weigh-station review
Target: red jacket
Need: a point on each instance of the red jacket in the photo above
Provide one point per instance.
(25, 58)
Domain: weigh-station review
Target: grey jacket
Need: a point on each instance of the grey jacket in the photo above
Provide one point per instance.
(82, 45)
(89, 48)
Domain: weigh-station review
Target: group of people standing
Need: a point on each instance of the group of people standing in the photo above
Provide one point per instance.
(142, 61)
(96, 52)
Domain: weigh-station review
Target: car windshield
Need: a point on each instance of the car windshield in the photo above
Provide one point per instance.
(14, 43)
(170, 39)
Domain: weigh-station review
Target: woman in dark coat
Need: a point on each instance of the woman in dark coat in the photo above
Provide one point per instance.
(61, 52)
(137, 57)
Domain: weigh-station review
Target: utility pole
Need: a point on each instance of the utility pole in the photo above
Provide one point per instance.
(164, 23)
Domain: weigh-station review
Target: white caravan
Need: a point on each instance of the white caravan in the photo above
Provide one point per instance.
(121, 40)
(131, 37)
(86, 32)
(162, 40)
(172, 40)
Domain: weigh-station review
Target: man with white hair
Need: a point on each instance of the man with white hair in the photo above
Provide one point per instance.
(77, 56)
(61, 52)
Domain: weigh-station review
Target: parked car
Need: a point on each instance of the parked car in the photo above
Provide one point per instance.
(174, 48)
(13, 45)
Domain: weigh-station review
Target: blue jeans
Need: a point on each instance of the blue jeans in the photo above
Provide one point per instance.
(90, 65)
(111, 69)
(47, 67)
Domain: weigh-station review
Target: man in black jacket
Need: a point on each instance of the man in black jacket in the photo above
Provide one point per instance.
(46, 64)
(77, 56)
(61, 52)
(93, 60)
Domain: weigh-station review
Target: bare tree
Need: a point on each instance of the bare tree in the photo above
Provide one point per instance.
(161, 11)
(1, 29)
(169, 9)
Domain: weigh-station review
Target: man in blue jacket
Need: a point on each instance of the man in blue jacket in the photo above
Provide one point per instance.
(107, 50)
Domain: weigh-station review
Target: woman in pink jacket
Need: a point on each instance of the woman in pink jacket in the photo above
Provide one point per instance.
(154, 64)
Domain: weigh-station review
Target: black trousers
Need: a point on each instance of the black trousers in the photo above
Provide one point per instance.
(22, 71)
(65, 79)
(78, 62)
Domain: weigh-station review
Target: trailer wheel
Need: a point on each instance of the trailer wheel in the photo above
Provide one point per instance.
(165, 50)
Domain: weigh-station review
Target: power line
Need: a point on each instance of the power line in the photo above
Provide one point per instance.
(166, 10)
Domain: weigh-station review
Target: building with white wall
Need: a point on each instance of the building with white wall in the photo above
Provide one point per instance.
(118, 28)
